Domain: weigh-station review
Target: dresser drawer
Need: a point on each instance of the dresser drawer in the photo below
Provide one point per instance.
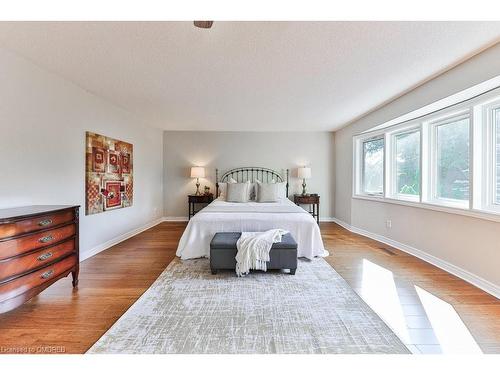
(22, 284)
(15, 266)
(307, 200)
(20, 245)
(36, 223)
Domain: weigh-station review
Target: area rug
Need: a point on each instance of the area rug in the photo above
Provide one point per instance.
(189, 310)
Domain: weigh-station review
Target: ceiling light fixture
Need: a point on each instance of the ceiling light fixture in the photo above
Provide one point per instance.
(203, 24)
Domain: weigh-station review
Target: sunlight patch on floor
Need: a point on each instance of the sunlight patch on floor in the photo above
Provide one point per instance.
(378, 289)
(453, 335)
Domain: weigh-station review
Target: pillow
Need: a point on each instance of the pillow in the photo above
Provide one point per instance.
(238, 192)
(252, 190)
(280, 189)
(223, 187)
(222, 190)
(267, 192)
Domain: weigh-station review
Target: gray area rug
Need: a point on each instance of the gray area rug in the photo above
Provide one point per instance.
(188, 310)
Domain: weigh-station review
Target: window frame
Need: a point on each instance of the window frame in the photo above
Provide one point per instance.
(392, 176)
(433, 126)
(362, 180)
(495, 127)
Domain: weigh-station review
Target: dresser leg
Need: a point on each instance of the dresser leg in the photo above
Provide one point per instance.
(74, 274)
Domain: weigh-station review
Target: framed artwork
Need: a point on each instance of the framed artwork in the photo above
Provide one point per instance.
(108, 174)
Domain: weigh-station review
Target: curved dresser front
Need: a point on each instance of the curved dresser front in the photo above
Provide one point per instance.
(38, 246)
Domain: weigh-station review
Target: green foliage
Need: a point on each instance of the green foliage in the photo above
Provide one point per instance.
(373, 156)
(453, 160)
(408, 163)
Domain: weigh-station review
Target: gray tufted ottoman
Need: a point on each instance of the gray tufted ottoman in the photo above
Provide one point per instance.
(283, 255)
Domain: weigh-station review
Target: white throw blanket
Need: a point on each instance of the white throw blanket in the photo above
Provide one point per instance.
(253, 250)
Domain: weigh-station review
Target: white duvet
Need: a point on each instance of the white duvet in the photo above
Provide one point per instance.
(222, 216)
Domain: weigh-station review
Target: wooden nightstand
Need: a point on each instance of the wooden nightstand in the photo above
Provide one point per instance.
(312, 200)
(198, 199)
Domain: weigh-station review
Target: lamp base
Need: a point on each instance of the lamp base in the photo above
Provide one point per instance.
(304, 194)
(197, 188)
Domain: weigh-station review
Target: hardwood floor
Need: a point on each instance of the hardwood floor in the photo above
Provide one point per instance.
(110, 283)
(431, 310)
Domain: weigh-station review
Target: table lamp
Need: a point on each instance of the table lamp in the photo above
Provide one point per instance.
(197, 172)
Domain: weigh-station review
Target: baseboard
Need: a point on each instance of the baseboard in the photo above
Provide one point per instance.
(327, 219)
(471, 278)
(175, 218)
(114, 241)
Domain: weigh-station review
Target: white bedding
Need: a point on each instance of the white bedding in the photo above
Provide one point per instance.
(222, 216)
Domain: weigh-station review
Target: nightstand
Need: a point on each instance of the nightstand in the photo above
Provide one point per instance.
(311, 200)
(198, 199)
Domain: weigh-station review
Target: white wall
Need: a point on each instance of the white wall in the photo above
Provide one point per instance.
(226, 150)
(43, 119)
(469, 243)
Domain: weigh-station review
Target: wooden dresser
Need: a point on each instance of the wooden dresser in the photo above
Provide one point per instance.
(38, 246)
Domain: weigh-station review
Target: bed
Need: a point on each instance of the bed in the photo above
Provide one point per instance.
(222, 216)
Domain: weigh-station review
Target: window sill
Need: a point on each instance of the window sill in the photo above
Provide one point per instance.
(479, 214)
(449, 203)
(406, 198)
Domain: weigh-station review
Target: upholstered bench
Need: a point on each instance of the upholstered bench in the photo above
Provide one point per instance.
(283, 255)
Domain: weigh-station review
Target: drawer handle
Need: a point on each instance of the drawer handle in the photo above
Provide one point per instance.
(45, 222)
(46, 239)
(47, 274)
(43, 257)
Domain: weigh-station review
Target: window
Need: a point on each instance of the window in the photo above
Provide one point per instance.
(496, 121)
(407, 164)
(448, 158)
(452, 159)
(373, 166)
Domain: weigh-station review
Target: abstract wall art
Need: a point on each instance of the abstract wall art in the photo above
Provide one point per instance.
(109, 174)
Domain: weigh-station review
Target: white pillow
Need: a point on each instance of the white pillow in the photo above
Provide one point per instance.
(267, 192)
(280, 189)
(238, 192)
(223, 187)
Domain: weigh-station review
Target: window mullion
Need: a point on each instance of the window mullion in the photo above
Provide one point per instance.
(423, 168)
(471, 158)
(387, 167)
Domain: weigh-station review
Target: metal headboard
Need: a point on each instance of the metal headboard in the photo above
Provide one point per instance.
(250, 174)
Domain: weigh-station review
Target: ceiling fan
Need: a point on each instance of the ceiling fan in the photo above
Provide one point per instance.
(203, 24)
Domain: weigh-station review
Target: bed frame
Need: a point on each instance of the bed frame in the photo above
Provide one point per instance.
(250, 174)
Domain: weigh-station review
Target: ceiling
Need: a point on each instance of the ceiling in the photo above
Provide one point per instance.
(248, 75)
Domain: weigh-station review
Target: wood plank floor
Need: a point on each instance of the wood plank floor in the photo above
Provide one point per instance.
(431, 310)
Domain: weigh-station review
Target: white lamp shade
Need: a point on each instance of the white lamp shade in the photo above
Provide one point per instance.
(304, 172)
(197, 172)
